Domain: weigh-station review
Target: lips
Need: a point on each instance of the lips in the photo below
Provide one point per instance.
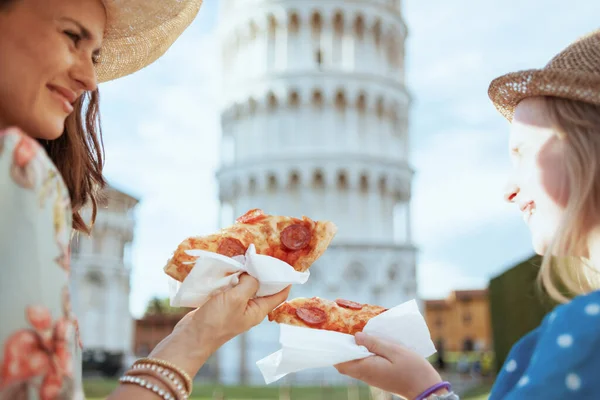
(64, 96)
(527, 206)
(528, 209)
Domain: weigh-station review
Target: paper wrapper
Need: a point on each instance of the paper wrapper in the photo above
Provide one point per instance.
(304, 348)
(214, 273)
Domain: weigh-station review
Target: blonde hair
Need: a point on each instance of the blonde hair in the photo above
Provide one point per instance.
(562, 275)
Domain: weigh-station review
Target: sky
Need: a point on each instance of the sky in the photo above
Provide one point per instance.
(161, 135)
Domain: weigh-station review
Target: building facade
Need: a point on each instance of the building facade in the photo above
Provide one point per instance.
(315, 122)
(460, 322)
(100, 279)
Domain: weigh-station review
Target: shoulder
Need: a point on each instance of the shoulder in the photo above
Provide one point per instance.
(25, 164)
(23, 159)
(583, 312)
(32, 188)
(571, 332)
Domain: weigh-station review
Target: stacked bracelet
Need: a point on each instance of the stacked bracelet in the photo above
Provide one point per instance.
(176, 383)
(147, 385)
(163, 375)
(433, 389)
(171, 371)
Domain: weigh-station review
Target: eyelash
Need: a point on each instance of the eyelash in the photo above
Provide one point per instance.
(76, 38)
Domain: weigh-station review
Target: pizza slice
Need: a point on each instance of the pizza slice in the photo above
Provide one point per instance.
(298, 242)
(343, 316)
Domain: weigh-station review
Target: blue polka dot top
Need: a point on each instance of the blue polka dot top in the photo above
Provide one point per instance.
(560, 359)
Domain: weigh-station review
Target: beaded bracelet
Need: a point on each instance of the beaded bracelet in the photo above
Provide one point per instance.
(434, 388)
(173, 368)
(147, 385)
(174, 385)
(445, 396)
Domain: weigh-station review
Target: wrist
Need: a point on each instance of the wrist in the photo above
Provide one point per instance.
(187, 355)
(439, 392)
(440, 388)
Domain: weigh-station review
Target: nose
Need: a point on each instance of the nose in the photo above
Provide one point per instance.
(510, 192)
(84, 73)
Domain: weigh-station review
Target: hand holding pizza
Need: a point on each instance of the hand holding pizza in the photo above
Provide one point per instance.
(393, 368)
(202, 331)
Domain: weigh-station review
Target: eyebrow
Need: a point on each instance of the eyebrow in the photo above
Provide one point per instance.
(85, 33)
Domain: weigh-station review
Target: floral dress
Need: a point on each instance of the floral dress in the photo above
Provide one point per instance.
(40, 354)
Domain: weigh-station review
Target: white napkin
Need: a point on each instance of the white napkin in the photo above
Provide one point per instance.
(304, 348)
(214, 273)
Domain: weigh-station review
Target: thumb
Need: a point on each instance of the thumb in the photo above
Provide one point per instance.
(268, 303)
(381, 347)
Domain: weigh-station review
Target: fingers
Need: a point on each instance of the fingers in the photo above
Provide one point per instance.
(246, 289)
(376, 345)
(268, 303)
(364, 369)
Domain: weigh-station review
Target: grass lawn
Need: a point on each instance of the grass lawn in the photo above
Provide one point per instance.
(98, 389)
(479, 393)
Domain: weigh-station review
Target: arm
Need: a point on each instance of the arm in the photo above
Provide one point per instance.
(202, 331)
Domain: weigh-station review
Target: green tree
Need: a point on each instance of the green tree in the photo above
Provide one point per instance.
(162, 306)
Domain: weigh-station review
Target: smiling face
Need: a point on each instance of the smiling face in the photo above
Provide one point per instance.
(539, 183)
(47, 53)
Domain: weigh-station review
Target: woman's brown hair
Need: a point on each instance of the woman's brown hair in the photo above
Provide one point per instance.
(79, 153)
(79, 156)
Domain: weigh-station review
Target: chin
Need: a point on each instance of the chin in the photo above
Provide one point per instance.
(540, 249)
(540, 244)
(50, 129)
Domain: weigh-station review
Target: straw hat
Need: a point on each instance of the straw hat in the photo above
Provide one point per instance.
(138, 32)
(572, 74)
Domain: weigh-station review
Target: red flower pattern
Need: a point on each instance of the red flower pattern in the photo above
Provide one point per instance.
(41, 351)
(21, 169)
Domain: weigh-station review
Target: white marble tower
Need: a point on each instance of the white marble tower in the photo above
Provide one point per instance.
(100, 276)
(315, 122)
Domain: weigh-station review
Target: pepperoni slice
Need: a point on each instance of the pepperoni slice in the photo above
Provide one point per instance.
(231, 247)
(295, 237)
(349, 304)
(311, 315)
(251, 216)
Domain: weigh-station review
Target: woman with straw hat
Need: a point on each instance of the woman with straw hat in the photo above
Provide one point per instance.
(555, 149)
(53, 53)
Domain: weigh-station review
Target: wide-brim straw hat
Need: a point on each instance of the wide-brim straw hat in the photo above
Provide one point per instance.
(139, 32)
(572, 74)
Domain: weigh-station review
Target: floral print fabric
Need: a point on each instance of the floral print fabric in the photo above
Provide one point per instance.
(40, 354)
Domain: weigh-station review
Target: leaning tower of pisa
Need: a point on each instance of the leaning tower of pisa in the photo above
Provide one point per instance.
(314, 122)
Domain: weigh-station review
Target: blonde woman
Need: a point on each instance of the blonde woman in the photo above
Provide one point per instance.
(555, 149)
(53, 53)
